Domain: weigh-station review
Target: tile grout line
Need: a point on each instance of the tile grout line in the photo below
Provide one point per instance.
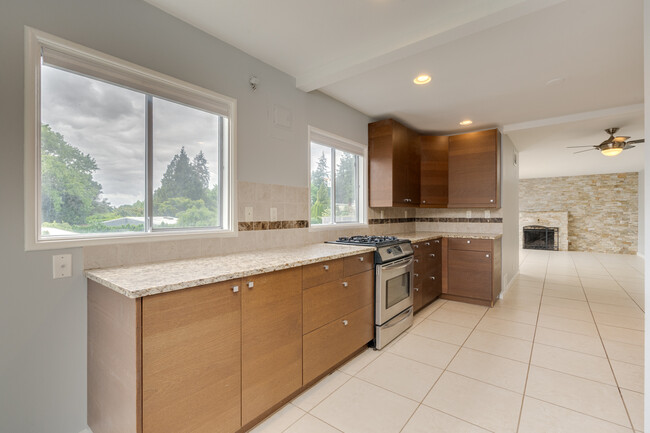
(609, 361)
(443, 372)
(532, 347)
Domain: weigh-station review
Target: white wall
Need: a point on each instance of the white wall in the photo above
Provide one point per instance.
(510, 211)
(641, 228)
(646, 190)
(42, 321)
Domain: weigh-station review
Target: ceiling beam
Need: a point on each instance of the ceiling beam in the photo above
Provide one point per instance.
(353, 65)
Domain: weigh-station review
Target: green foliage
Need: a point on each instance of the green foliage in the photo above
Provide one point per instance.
(346, 184)
(93, 227)
(320, 191)
(68, 191)
(136, 209)
(321, 207)
(197, 217)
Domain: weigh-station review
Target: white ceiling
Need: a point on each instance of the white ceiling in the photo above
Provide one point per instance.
(491, 61)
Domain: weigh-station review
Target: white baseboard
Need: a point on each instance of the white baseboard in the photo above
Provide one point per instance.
(641, 255)
(505, 290)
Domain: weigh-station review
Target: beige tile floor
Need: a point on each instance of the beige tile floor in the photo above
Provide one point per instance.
(562, 352)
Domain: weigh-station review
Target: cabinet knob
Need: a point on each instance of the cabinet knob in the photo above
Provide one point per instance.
(487, 255)
(424, 201)
(416, 246)
(427, 244)
(250, 284)
(491, 201)
(433, 278)
(416, 275)
(432, 255)
(406, 200)
(361, 259)
(345, 283)
(235, 289)
(417, 260)
(345, 323)
(416, 289)
(326, 267)
(437, 241)
(469, 242)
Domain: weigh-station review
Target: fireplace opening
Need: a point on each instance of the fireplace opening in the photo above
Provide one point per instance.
(541, 238)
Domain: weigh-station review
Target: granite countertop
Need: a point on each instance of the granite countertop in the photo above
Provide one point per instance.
(149, 279)
(425, 236)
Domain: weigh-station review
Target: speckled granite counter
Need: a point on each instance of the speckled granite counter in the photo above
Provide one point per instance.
(425, 236)
(142, 280)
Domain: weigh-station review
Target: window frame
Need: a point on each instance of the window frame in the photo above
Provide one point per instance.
(172, 89)
(343, 144)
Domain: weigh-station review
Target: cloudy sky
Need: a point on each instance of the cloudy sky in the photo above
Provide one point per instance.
(108, 122)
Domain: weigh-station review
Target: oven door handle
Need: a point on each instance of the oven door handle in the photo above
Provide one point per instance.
(399, 264)
(406, 313)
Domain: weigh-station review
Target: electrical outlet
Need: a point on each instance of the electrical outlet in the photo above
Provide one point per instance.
(381, 214)
(468, 214)
(62, 266)
(248, 213)
(274, 214)
(487, 214)
(406, 214)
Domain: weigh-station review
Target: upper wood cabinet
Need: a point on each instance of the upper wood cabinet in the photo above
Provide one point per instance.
(394, 165)
(474, 170)
(434, 171)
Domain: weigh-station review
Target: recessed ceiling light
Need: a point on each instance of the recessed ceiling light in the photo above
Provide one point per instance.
(422, 79)
(466, 122)
(556, 80)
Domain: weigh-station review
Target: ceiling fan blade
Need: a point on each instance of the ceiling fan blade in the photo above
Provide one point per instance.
(580, 151)
(620, 139)
(628, 146)
(569, 147)
(641, 140)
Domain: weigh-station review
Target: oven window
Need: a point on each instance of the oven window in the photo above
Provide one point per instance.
(397, 289)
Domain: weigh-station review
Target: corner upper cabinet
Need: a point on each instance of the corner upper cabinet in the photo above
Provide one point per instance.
(394, 165)
(434, 171)
(474, 170)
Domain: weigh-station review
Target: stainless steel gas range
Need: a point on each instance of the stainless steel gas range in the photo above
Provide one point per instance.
(393, 284)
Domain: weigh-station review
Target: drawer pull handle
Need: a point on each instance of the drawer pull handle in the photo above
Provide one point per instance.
(345, 283)
(487, 255)
(235, 289)
(416, 289)
(427, 244)
(326, 267)
(469, 242)
(361, 259)
(250, 284)
(491, 201)
(345, 323)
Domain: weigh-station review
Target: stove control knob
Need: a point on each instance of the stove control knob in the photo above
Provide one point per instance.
(389, 251)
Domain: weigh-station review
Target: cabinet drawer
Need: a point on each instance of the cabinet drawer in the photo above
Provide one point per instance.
(332, 343)
(321, 272)
(357, 264)
(327, 302)
(470, 244)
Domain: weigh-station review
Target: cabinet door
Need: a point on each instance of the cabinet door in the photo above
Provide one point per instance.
(474, 169)
(470, 274)
(380, 163)
(434, 171)
(401, 165)
(271, 340)
(191, 364)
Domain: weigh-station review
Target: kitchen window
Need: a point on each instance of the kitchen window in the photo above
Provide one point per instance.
(337, 180)
(116, 151)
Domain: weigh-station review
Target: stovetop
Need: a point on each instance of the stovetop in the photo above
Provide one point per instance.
(372, 241)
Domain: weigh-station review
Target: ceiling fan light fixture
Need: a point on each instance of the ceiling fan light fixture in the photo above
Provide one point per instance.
(422, 79)
(465, 122)
(611, 151)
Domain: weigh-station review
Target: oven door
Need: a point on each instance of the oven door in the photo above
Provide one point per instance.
(394, 289)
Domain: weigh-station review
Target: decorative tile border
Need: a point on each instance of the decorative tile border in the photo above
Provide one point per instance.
(434, 220)
(246, 226)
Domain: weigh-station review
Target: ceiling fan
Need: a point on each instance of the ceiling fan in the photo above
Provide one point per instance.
(613, 145)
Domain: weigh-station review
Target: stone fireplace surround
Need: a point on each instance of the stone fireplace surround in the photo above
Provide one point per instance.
(548, 219)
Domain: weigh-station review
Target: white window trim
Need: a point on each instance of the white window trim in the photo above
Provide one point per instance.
(341, 143)
(34, 41)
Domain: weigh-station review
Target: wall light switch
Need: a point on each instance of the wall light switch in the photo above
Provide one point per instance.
(274, 214)
(248, 213)
(62, 266)
(487, 214)
(468, 214)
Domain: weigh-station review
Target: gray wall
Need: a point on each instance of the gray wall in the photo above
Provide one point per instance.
(510, 209)
(43, 321)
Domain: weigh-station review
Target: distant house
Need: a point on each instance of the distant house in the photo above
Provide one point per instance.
(134, 221)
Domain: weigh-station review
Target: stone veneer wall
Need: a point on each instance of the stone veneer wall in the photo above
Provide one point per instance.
(603, 208)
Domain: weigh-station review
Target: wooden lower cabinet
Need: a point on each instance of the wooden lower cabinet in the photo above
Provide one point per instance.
(271, 340)
(473, 270)
(427, 281)
(191, 369)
